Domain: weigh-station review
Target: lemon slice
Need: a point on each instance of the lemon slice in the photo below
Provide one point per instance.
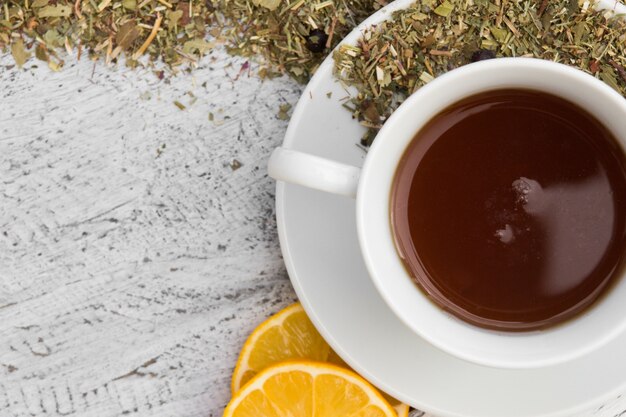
(288, 335)
(305, 389)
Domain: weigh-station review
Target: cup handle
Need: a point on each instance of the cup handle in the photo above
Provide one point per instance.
(314, 172)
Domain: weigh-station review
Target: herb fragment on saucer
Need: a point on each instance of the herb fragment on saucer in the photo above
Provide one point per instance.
(396, 57)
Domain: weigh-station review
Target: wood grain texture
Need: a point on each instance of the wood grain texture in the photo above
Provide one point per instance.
(134, 258)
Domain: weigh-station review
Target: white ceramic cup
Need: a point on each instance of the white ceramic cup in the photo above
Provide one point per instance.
(371, 185)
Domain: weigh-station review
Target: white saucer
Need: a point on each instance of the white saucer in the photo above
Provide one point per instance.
(319, 242)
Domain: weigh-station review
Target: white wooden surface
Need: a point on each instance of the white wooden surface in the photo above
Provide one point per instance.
(134, 260)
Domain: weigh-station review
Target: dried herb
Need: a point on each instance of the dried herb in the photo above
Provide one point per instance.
(482, 54)
(283, 111)
(316, 40)
(19, 52)
(397, 57)
(171, 30)
(235, 165)
(289, 36)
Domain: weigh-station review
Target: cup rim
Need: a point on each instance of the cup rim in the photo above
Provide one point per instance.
(378, 261)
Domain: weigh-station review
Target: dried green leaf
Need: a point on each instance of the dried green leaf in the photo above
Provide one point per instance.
(53, 39)
(297, 71)
(268, 4)
(41, 53)
(579, 31)
(606, 75)
(499, 33)
(59, 10)
(20, 55)
(283, 111)
(39, 3)
(173, 17)
(127, 34)
(55, 66)
(444, 9)
(197, 45)
(129, 4)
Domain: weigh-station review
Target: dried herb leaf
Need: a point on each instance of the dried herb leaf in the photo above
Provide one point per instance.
(444, 9)
(127, 34)
(41, 53)
(19, 53)
(268, 4)
(53, 39)
(283, 111)
(39, 3)
(59, 10)
(173, 17)
(129, 4)
(499, 33)
(54, 66)
(197, 45)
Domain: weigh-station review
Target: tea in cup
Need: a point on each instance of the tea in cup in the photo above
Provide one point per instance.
(491, 211)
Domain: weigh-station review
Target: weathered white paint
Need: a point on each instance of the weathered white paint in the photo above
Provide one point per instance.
(134, 260)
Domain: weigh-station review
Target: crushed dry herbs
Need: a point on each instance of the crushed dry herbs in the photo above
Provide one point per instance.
(397, 57)
(172, 30)
(288, 36)
(390, 61)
